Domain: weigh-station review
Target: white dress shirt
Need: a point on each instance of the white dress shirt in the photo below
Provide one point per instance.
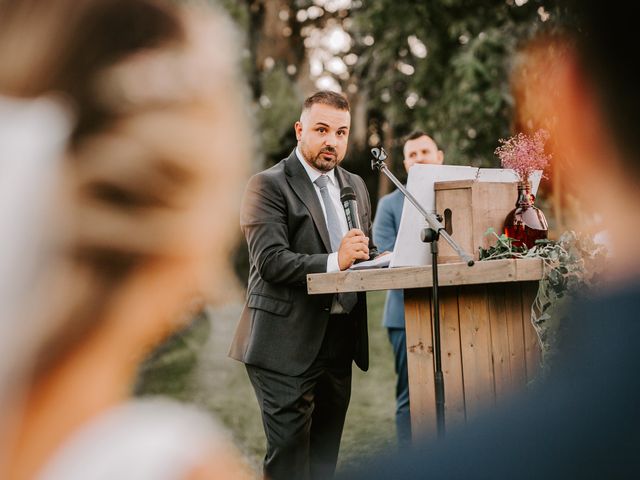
(334, 194)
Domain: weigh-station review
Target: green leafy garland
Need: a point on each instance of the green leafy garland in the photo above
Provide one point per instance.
(573, 265)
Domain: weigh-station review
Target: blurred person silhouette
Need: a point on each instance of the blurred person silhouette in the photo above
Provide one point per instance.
(583, 420)
(124, 127)
(419, 148)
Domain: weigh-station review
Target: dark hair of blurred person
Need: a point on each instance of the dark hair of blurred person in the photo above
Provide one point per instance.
(159, 114)
(583, 420)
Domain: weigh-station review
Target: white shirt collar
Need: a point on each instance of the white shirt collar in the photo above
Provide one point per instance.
(313, 173)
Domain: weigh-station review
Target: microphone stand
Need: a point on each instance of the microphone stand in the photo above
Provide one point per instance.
(430, 235)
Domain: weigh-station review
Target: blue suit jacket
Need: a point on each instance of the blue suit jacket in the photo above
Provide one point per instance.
(385, 231)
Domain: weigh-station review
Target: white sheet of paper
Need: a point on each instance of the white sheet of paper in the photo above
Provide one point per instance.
(409, 250)
(381, 261)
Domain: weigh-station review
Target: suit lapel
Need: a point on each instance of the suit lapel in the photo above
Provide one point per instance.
(304, 189)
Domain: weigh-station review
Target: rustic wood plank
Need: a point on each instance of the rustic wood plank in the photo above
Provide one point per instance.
(475, 339)
(493, 271)
(420, 363)
(528, 269)
(458, 201)
(531, 343)
(515, 329)
(451, 358)
(499, 341)
(490, 204)
(453, 184)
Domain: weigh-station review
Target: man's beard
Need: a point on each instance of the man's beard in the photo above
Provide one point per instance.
(319, 162)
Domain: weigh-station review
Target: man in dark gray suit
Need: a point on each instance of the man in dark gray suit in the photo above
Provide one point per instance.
(298, 348)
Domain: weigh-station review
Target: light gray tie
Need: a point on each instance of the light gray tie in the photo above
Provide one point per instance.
(346, 300)
(333, 224)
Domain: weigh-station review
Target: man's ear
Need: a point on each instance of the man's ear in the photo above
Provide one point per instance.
(440, 157)
(298, 128)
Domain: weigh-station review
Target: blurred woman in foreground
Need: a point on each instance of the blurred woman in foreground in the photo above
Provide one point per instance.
(149, 172)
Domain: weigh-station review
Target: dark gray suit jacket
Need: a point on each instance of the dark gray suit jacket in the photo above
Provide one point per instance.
(281, 327)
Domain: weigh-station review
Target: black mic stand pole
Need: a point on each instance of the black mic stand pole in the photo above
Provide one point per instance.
(428, 235)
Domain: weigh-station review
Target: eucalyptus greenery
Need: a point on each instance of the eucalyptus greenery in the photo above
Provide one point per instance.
(573, 267)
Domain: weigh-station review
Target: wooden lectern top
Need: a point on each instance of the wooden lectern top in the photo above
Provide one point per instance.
(449, 274)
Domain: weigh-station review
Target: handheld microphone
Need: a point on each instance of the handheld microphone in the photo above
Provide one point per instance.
(348, 199)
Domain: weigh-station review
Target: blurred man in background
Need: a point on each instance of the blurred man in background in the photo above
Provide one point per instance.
(419, 148)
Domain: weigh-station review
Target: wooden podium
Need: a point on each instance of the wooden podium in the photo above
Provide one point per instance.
(489, 347)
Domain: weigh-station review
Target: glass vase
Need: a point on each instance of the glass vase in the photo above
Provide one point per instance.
(526, 223)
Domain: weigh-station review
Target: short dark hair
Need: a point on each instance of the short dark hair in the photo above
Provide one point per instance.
(415, 134)
(327, 97)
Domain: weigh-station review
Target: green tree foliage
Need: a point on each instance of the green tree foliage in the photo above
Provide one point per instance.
(442, 66)
(279, 110)
(438, 65)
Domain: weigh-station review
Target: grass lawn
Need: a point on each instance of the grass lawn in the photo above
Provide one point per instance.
(193, 367)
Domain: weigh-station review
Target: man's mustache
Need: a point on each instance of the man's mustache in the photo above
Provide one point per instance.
(329, 150)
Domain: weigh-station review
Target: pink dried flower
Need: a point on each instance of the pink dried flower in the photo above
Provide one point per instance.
(524, 153)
